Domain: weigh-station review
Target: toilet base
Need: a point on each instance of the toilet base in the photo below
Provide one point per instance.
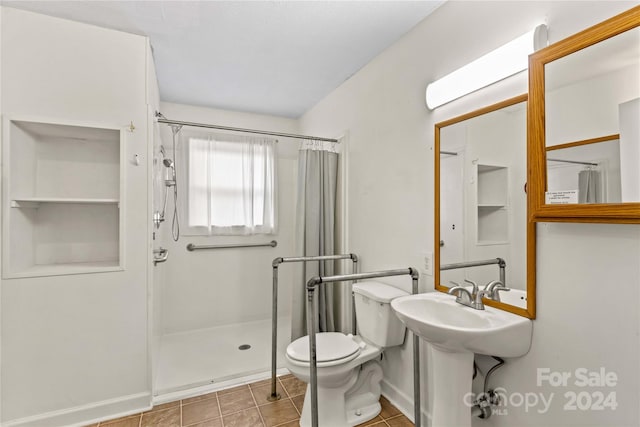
(354, 403)
(363, 414)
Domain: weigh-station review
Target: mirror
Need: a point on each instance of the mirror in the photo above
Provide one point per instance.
(481, 204)
(584, 129)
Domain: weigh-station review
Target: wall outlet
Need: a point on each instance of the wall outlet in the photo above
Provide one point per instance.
(427, 264)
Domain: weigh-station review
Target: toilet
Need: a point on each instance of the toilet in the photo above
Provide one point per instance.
(349, 371)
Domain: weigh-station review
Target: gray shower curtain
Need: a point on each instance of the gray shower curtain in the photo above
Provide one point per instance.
(315, 235)
(589, 186)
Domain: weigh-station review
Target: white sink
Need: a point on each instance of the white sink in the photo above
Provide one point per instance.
(440, 320)
(454, 333)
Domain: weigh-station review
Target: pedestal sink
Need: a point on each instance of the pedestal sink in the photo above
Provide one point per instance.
(455, 332)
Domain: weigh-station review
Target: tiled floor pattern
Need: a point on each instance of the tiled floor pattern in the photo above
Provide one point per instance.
(243, 406)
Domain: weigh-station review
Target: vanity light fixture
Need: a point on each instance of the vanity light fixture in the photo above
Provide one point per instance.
(496, 65)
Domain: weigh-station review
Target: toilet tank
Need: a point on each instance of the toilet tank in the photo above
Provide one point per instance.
(377, 323)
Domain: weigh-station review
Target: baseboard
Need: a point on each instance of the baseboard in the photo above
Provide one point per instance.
(87, 414)
(403, 402)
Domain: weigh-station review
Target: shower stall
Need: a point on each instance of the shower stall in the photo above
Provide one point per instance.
(211, 307)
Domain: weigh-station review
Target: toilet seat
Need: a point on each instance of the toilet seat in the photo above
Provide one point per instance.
(332, 348)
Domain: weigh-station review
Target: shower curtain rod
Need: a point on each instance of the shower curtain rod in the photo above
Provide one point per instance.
(575, 162)
(163, 119)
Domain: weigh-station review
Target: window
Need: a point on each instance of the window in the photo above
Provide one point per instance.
(231, 185)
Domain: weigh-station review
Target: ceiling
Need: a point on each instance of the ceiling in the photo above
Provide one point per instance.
(278, 58)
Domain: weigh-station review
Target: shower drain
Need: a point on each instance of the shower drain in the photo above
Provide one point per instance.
(244, 347)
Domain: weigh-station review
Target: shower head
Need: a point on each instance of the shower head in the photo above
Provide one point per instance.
(170, 165)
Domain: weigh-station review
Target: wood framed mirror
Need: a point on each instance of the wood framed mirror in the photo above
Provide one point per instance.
(584, 126)
(481, 204)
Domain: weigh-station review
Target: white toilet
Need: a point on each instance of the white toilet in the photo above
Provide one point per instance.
(349, 373)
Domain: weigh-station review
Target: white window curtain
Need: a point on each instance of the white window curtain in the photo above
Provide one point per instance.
(231, 185)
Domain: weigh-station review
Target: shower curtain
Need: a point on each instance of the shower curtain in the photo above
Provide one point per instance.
(315, 231)
(589, 186)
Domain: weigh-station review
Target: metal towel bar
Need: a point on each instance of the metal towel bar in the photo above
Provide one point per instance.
(191, 247)
(502, 265)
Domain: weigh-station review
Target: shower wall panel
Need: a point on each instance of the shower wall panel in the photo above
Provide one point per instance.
(211, 288)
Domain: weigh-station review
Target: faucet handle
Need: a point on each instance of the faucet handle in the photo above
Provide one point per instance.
(474, 284)
(455, 288)
(492, 284)
(495, 292)
(461, 293)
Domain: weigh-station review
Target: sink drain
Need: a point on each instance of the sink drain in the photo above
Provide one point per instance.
(244, 347)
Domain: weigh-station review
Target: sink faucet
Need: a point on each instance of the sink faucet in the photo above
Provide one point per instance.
(470, 299)
(493, 289)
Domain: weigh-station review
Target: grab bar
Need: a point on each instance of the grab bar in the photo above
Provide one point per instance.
(191, 247)
(502, 264)
(311, 286)
(274, 316)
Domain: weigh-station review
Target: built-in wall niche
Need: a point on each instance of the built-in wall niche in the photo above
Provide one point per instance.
(61, 198)
(492, 200)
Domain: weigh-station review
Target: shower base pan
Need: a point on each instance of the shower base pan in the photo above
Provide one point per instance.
(210, 356)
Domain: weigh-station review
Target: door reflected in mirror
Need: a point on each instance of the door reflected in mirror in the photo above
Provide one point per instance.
(481, 204)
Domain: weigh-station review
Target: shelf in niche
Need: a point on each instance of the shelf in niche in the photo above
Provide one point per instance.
(68, 268)
(34, 202)
(490, 206)
(491, 242)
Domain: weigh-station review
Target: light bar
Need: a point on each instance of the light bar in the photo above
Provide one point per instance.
(496, 65)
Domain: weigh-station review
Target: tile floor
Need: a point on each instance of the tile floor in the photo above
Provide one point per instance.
(243, 406)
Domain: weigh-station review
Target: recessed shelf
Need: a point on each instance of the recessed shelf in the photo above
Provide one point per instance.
(492, 196)
(62, 192)
(34, 202)
(69, 268)
(490, 206)
(492, 242)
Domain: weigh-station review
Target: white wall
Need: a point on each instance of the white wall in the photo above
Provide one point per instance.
(496, 139)
(630, 150)
(586, 109)
(500, 139)
(580, 322)
(74, 347)
(210, 288)
(1, 183)
(589, 108)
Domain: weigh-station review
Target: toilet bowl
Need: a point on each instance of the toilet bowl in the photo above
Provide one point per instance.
(349, 373)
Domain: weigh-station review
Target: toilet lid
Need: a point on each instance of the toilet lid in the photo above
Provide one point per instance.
(330, 346)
